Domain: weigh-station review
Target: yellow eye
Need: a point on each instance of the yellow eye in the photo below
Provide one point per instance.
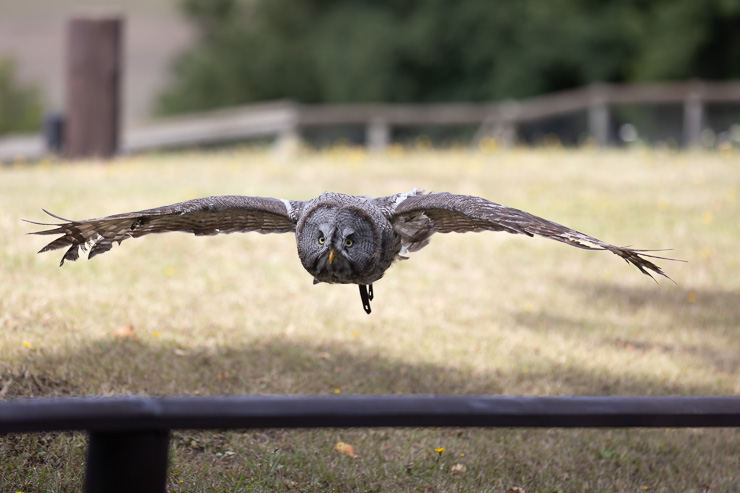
(321, 240)
(348, 243)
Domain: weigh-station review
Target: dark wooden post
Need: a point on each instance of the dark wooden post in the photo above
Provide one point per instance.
(94, 63)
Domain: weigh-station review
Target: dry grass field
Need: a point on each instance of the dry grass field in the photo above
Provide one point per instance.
(487, 313)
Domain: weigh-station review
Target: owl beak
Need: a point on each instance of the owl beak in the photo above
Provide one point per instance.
(332, 252)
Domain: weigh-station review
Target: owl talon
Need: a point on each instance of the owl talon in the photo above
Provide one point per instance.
(370, 292)
(365, 298)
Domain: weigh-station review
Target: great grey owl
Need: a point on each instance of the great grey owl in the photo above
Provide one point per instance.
(341, 238)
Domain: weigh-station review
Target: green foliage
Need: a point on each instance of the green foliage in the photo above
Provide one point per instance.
(20, 107)
(435, 50)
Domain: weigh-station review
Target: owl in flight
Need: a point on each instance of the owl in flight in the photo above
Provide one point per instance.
(342, 239)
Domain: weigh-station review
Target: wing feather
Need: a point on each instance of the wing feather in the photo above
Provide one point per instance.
(449, 213)
(202, 217)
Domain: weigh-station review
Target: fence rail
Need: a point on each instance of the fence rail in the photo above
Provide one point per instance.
(129, 436)
(285, 119)
(303, 411)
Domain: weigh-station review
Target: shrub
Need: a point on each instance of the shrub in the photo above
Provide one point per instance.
(20, 106)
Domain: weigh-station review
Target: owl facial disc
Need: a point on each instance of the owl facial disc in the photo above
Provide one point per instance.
(339, 245)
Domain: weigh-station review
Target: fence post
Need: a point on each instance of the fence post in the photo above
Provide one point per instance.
(127, 461)
(693, 117)
(288, 139)
(506, 129)
(378, 135)
(598, 116)
(500, 124)
(94, 52)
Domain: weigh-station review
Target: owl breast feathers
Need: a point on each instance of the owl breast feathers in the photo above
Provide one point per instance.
(340, 238)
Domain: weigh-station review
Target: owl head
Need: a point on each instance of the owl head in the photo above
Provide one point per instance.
(343, 244)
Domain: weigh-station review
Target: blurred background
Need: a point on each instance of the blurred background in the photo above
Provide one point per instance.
(189, 56)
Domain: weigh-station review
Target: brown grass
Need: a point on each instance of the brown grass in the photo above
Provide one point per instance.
(480, 313)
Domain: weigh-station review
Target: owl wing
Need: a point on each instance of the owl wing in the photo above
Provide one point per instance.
(206, 216)
(416, 217)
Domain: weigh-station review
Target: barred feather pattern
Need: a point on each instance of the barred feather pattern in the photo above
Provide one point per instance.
(202, 217)
(407, 220)
(447, 213)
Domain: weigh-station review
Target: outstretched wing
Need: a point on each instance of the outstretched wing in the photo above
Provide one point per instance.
(206, 216)
(417, 217)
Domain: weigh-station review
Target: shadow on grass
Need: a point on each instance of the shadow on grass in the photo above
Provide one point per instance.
(699, 308)
(282, 367)
(713, 313)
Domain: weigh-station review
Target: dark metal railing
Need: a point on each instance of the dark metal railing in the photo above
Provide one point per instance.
(129, 436)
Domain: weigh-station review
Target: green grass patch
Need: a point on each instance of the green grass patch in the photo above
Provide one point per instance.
(487, 313)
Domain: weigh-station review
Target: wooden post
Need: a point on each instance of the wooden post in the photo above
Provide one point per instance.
(94, 64)
(506, 129)
(598, 122)
(693, 119)
(288, 139)
(599, 114)
(378, 135)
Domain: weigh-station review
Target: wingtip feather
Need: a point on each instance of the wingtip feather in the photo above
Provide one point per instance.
(57, 217)
(636, 258)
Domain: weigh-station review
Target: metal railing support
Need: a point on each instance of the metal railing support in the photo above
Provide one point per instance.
(122, 462)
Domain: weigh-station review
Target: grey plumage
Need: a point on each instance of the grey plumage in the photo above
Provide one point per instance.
(340, 238)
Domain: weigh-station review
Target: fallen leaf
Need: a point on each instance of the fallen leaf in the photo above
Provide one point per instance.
(180, 352)
(515, 489)
(458, 469)
(346, 449)
(126, 331)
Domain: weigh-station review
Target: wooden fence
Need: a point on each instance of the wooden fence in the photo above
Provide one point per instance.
(284, 120)
(129, 436)
(90, 126)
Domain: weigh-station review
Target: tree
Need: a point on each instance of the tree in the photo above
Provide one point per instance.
(20, 107)
(436, 50)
